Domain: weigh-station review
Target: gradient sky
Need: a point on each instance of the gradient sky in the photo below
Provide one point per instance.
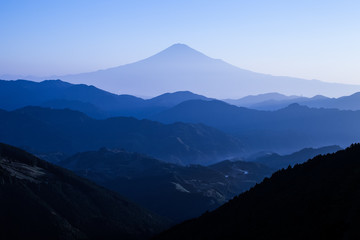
(318, 39)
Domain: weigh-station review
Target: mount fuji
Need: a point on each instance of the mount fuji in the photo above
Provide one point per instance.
(181, 68)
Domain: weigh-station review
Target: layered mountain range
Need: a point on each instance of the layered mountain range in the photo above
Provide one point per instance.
(179, 154)
(43, 130)
(276, 101)
(284, 131)
(87, 99)
(177, 192)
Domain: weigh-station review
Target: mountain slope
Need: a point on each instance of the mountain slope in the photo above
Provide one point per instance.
(351, 102)
(87, 99)
(315, 200)
(283, 131)
(42, 130)
(59, 94)
(181, 68)
(273, 101)
(173, 99)
(252, 100)
(170, 190)
(276, 161)
(41, 201)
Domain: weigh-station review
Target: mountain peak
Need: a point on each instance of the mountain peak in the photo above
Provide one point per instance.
(179, 47)
(181, 52)
(172, 99)
(295, 107)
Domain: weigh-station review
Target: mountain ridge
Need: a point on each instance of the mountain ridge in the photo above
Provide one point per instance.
(315, 200)
(286, 130)
(151, 183)
(276, 161)
(44, 130)
(88, 99)
(270, 102)
(43, 201)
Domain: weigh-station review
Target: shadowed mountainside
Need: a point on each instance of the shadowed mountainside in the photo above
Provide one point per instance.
(41, 201)
(42, 130)
(276, 161)
(174, 191)
(315, 200)
(87, 99)
(283, 131)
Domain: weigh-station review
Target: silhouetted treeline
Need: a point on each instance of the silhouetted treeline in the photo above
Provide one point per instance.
(319, 199)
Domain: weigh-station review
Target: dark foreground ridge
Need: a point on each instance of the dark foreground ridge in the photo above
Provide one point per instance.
(319, 199)
(41, 201)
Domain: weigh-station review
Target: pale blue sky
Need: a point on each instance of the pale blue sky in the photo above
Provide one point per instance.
(315, 39)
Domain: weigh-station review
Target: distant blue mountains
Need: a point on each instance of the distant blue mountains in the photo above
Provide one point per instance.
(283, 130)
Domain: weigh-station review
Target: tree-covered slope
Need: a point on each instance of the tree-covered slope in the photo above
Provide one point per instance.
(43, 130)
(319, 199)
(174, 191)
(41, 201)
